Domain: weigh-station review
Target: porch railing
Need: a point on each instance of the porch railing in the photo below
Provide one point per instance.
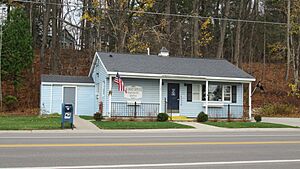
(126, 109)
(229, 111)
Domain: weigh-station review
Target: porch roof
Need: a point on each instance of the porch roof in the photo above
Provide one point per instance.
(153, 64)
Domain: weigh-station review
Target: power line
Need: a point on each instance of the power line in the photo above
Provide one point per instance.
(157, 13)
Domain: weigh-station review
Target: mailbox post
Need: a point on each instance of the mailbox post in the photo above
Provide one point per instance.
(67, 114)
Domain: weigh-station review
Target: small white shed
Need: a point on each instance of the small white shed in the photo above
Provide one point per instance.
(58, 89)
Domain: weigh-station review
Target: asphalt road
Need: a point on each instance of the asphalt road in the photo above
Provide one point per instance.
(232, 150)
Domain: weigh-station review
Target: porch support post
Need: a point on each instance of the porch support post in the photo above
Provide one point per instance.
(51, 97)
(160, 95)
(206, 97)
(250, 106)
(109, 95)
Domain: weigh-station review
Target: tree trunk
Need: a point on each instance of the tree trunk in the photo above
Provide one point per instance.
(88, 28)
(82, 30)
(238, 36)
(223, 30)
(54, 57)
(251, 51)
(297, 63)
(44, 37)
(288, 41)
(195, 45)
(168, 27)
(180, 49)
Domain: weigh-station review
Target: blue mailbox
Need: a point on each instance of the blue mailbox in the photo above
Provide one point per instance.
(67, 114)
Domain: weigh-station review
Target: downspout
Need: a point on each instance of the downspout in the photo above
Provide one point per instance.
(250, 98)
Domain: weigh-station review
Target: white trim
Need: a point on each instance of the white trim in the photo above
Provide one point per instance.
(109, 95)
(133, 102)
(62, 99)
(160, 95)
(223, 94)
(94, 63)
(206, 96)
(214, 104)
(51, 97)
(183, 77)
(41, 103)
(64, 83)
(250, 97)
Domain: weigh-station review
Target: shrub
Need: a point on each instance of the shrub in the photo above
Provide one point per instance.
(98, 116)
(257, 118)
(10, 102)
(162, 117)
(277, 109)
(202, 117)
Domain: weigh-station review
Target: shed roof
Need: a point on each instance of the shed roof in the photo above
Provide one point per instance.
(67, 79)
(153, 64)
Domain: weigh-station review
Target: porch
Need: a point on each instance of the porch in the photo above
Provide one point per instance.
(148, 110)
(186, 97)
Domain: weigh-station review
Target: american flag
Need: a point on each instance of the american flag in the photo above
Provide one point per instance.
(119, 81)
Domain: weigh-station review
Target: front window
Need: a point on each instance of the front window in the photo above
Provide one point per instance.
(196, 92)
(214, 93)
(227, 93)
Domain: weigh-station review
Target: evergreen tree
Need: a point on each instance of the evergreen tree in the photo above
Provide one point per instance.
(17, 52)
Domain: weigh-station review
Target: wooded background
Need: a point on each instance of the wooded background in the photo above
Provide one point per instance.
(255, 35)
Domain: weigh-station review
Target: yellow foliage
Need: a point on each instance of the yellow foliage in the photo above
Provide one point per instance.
(294, 90)
(136, 44)
(277, 51)
(205, 35)
(95, 3)
(88, 17)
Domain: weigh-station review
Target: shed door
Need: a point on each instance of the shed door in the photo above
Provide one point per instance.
(69, 96)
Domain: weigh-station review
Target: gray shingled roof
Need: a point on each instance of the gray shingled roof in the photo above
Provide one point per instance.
(171, 65)
(67, 79)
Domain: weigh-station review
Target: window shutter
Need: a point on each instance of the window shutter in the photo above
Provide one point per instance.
(234, 94)
(203, 92)
(189, 92)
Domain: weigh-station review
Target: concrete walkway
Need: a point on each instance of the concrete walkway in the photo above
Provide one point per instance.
(85, 125)
(287, 121)
(203, 127)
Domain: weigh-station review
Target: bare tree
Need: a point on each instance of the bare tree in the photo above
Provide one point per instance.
(45, 34)
(238, 35)
(223, 29)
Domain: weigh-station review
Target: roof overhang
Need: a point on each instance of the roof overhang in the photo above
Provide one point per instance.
(182, 77)
(96, 56)
(66, 83)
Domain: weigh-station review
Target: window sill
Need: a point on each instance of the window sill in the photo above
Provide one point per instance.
(220, 104)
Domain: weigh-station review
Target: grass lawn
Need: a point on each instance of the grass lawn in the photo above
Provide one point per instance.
(30, 123)
(86, 117)
(138, 125)
(248, 125)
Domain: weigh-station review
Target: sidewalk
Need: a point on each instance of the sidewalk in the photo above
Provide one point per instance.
(81, 124)
(85, 126)
(286, 121)
(203, 127)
